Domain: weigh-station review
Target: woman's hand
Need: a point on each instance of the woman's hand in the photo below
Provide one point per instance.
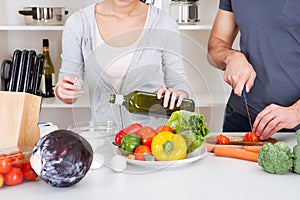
(171, 95)
(274, 118)
(67, 89)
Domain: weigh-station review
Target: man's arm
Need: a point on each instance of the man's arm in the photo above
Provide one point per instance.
(238, 71)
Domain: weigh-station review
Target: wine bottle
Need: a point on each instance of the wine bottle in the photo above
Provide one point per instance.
(48, 73)
(147, 103)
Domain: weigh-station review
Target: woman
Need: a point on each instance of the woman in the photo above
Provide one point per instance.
(119, 46)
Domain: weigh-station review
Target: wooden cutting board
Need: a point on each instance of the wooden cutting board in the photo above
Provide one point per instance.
(236, 141)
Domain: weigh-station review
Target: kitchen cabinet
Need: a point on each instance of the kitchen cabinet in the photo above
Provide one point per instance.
(209, 89)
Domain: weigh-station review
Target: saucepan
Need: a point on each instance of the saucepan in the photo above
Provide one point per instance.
(44, 15)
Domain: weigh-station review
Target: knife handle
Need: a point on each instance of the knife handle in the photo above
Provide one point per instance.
(21, 73)
(14, 70)
(5, 74)
(37, 73)
(29, 70)
(244, 95)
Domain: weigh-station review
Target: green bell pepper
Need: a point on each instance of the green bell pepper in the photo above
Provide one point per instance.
(129, 143)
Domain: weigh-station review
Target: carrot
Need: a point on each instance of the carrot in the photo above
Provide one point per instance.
(236, 153)
(254, 149)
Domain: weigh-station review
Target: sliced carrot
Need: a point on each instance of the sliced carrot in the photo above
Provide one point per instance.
(236, 153)
(254, 149)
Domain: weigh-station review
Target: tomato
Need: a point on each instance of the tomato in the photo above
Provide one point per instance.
(140, 151)
(251, 137)
(5, 163)
(222, 139)
(164, 128)
(13, 177)
(1, 180)
(28, 172)
(146, 133)
(17, 159)
(133, 128)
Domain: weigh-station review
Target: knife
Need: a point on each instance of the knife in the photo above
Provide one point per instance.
(14, 70)
(29, 70)
(5, 74)
(247, 108)
(21, 72)
(37, 74)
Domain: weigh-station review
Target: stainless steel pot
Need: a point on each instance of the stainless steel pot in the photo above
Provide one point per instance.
(44, 15)
(185, 11)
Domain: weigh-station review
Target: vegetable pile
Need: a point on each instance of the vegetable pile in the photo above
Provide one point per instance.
(15, 168)
(184, 132)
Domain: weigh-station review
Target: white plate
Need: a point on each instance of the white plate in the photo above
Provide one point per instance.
(198, 154)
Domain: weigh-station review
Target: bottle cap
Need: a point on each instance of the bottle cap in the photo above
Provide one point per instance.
(45, 43)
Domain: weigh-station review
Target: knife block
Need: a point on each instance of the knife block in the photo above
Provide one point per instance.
(19, 115)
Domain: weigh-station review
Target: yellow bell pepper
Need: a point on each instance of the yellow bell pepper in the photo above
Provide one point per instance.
(167, 146)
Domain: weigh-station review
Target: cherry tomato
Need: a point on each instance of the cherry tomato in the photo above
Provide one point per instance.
(13, 177)
(1, 180)
(146, 133)
(5, 163)
(222, 139)
(251, 137)
(164, 128)
(28, 172)
(133, 128)
(17, 159)
(140, 151)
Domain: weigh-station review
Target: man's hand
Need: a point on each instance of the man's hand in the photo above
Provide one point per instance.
(239, 73)
(274, 118)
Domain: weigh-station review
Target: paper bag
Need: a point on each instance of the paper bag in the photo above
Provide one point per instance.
(19, 115)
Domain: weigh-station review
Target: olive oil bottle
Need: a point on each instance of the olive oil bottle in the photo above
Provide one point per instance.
(48, 74)
(146, 103)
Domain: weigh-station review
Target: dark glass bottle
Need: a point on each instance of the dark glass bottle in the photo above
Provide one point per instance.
(48, 73)
(146, 103)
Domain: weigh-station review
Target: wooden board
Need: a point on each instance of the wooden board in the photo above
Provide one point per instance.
(236, 141)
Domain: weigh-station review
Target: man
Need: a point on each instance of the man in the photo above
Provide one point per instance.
(267, 66)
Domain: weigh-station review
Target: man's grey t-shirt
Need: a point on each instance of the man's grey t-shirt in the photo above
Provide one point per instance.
(270, 40)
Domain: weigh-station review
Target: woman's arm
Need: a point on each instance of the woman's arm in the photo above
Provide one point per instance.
(72, 61)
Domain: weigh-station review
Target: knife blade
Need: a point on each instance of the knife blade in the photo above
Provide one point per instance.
(14, 70)
(37, 75)
(21, 72)
(29, 71)
(247, 108)
(5, 74)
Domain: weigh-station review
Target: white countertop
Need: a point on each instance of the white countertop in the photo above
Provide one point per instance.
(209, 178)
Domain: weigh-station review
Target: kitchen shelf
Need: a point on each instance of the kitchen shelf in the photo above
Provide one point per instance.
(82, 102)
(203, 100)
(60, 28)
(30, 28)
(195, 27)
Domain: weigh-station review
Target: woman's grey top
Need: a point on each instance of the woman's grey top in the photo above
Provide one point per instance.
(157, 63)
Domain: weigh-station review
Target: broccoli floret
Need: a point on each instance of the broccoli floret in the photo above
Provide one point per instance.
(276, 158)
(296, 151)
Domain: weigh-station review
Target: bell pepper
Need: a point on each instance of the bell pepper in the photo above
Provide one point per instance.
(129, 143)
(167, 146)
(133, 128)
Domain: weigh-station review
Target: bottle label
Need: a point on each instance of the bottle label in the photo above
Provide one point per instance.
(53, 81)
(119, 99)
(43, 85)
